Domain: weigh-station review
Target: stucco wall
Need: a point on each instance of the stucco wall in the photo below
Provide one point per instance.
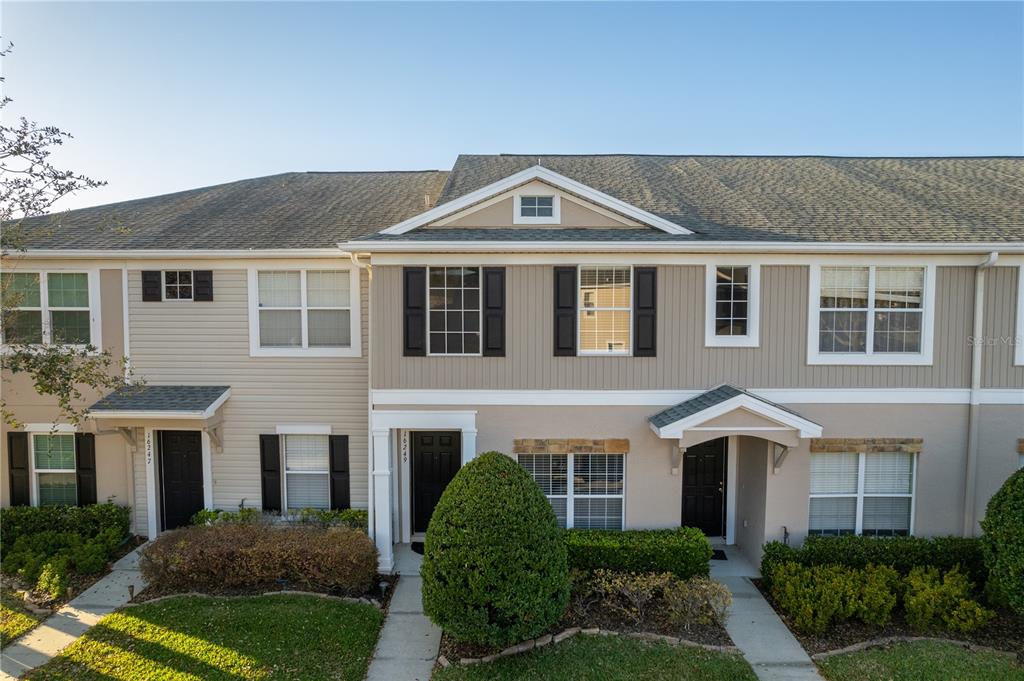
(751, 485)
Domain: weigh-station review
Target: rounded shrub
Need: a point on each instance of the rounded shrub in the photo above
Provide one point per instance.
(494, 570)
(1002, 542)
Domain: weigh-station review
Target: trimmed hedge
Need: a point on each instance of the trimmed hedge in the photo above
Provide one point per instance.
(902, 553)
(683, 551)
(85, 521)
(1003, 542)
(257, 555)
(494, 565)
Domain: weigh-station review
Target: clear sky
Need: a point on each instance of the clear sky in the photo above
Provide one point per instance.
(163, 97)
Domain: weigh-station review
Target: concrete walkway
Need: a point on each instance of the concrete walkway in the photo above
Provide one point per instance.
(63, 627)
(767, 644)
(408, 643)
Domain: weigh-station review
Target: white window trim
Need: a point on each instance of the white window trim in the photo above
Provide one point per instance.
(556, 211)
(480, 312)
(95, 324)
(871, 358)
(580, 352)
(860, 494)
(570, 495)
(282, 433)
(355, 307)
(52, 429)
(752, 339)
(1019, 334)
(163, 287)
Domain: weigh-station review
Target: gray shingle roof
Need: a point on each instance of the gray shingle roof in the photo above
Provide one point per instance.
(743, 198)
(706, 400)
(169, 398)
(292, 210)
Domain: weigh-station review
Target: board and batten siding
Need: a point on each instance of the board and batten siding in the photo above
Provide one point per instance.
(185, 343)
(997, 367)
(682, 362)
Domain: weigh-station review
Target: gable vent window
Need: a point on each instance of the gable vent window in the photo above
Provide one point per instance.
(178, 285)
(537, 206)
(453, 322)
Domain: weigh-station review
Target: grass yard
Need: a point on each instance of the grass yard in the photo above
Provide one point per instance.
(15, 619)
(921, 661)
(261, 637)
(607, 658)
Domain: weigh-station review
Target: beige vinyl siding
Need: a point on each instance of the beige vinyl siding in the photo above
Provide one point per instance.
(997, 368)
(208, 343)
(682, 361)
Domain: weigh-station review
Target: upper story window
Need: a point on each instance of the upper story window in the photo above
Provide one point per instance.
(304, 312)
(453, 323)
(177, 284)
(50, 307)
(537, 210)
(605, 313)
(732, 306)
(870, 314)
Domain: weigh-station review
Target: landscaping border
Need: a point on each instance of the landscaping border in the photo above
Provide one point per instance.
(889, 640)
(286, 592)
(549, 639)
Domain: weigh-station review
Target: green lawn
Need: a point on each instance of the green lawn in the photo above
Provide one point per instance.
(268, 637)
(921, 661)
(15, 619)
(607, 658)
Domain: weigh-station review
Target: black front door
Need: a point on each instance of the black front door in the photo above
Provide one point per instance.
(436, 457)
(181, 474)
(704, 487)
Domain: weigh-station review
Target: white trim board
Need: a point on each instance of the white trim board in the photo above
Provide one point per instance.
(695, 257)
(543, 174)
(664, 398)
(681, 246)
(1019, 336)
(676, 429)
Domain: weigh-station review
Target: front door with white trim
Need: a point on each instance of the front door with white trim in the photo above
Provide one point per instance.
(181, 477)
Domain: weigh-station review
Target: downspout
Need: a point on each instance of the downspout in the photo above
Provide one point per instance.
(974, 409)
(370, 527)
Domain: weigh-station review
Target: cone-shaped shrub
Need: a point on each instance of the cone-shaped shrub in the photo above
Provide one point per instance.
(1003, 542)
(494, 565)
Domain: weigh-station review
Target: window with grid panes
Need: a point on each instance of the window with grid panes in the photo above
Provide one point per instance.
(178, 285)
(536, 206)
(732, 294)
(605, 313)
(453, 323)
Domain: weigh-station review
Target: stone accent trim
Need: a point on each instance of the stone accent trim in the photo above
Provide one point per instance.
(1020, 446)
(569, 446)
(910, 445)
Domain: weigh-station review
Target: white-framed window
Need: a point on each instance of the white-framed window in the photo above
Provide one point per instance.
(732, 305)
(605, 314)
(586, 491)
(54, 478)
(453, 319)
(178, 284)
(304, 312)
(862, 493)
(307, 482)
(871, 314)
(537, 209)
(57, 307)
(1018, 340)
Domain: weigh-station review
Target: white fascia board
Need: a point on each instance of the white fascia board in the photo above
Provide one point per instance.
(541, 173)
(165, 253)
(805, 427)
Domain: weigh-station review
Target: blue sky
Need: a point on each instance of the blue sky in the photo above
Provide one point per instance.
(163, 97)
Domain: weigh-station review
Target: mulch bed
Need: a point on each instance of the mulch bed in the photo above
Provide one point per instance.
(1004, 632)
(709, 634)
(380, 595)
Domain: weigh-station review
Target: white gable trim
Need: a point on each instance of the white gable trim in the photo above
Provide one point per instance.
(536, 173)
(788, 419)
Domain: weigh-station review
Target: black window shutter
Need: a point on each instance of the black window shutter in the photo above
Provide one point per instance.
(152, 280)
(645, 314)
(270, 472)
(85, 467)
(339, 472)
(17, 466)
(202, 286)
(414, 325)
(494, 312)
(565, 311)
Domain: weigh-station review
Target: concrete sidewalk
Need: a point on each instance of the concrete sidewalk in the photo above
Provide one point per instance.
(62, 628)
(409, 641)
(765, 641)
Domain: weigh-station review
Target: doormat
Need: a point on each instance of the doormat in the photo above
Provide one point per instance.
(717, 554)
(417, 547)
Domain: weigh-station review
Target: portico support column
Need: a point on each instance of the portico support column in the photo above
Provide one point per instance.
(468, 445)
(382, 498)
